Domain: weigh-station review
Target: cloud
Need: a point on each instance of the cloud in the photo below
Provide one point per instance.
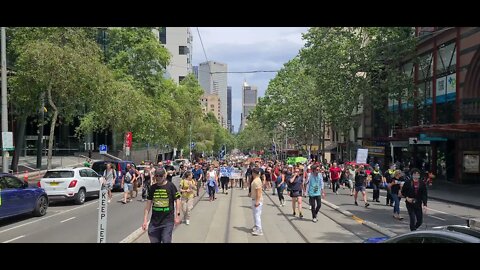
(247, 49)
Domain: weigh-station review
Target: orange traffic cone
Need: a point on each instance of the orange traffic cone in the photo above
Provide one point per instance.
(25, 176)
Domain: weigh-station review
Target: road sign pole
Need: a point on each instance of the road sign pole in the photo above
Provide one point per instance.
(102, 215)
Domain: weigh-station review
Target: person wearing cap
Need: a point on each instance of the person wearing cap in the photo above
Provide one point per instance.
(164, 202)
(377, 179)
(416, 196)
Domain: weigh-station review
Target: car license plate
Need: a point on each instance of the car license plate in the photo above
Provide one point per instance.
(53, 184)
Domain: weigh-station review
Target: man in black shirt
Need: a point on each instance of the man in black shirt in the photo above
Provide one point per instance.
(160, 200)
(170, 170)
(360, 184)
(415, 193)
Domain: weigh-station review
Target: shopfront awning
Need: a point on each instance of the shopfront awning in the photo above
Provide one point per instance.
(443, 128)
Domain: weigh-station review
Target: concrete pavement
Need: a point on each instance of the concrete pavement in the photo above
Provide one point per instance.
(229, 220)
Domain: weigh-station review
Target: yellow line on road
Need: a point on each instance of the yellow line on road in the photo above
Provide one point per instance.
(357, 219)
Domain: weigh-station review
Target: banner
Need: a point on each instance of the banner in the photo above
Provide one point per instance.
(362, 155)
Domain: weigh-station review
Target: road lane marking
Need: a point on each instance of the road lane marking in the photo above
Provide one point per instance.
(437, 211)
(67, 219)
(62, 212)
(11, 240)
(357, 219)
(437, 218)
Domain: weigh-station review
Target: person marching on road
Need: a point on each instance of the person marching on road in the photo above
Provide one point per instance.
(377, 180)
(212, 182)
(396, 186)
(128, 178)
(257, 201)
(187, 188)
(198, 176)
(415, 193)
(110, 175)
(335, 177)
(296, 192)
(389, 178)
(315, 188)
(360, 183)
(280, 183)
(164, 202)
(147, 176)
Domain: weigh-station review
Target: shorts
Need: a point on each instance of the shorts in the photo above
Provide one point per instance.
(127, 187)
(296, 193)
(361, 188)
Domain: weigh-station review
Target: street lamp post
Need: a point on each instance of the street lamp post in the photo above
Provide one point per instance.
(4, 98)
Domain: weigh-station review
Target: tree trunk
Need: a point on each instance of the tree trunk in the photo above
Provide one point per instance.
(41, 117)
(19, 139)
(52, 128)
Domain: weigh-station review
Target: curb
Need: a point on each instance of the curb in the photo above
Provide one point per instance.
(368, 224)
(134, 236)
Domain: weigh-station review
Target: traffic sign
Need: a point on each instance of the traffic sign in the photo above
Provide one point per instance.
(103, 149)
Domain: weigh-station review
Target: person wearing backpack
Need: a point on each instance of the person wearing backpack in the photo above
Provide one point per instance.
(110, 175)
(128, 178)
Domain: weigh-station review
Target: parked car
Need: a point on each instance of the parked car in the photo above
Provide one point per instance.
(441, 234)
(17, 197)
(71, 184)
(120, 166)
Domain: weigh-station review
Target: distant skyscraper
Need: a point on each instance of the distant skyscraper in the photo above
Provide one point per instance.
(178, 41)
(195, 72)
(249, 100)
(212, 77)
(229, 109)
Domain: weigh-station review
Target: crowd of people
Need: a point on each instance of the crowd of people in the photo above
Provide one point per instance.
(297, 181)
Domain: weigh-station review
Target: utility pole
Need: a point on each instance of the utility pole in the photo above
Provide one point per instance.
(190, 157)
(4, 98)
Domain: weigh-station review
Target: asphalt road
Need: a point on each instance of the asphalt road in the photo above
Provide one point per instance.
(66, 222)
(438, 213)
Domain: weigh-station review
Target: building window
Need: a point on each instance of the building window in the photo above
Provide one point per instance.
(163, 35)
(183, 50)
(180, 78)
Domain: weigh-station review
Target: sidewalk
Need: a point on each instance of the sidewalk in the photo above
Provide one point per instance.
(466, 195)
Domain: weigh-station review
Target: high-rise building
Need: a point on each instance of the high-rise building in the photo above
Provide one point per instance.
(178, 41)
(249, 101)
(211, 103)
(212, 76)
(229, 109)
(195, 72)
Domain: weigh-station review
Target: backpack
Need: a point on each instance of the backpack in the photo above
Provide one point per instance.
(128, 177)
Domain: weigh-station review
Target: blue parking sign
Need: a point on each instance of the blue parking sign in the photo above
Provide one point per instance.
(103, 148)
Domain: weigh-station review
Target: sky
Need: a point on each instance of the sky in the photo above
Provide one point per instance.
(247, 49)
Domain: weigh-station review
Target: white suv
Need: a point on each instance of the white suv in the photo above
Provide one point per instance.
(71, 183)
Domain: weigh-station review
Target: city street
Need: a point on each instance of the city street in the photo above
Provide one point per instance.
(229, 220)
(66, 222)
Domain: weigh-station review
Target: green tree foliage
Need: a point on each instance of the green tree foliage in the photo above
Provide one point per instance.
(66, 66)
